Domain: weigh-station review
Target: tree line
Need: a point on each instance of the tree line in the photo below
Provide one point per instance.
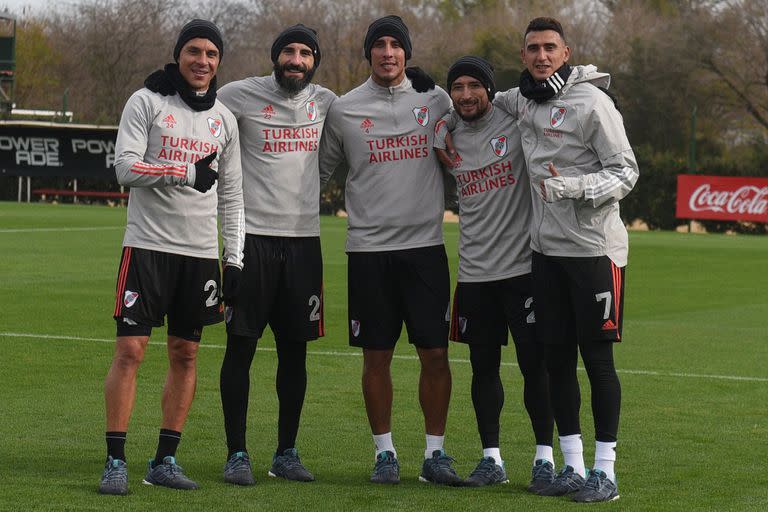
(672, 62)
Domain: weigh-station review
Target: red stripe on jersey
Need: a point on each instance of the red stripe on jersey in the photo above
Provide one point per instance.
(158, 170)
(158, 167)
(616, 296)
(454, 336)
(122, 276)
(321, 323)
(169, 172)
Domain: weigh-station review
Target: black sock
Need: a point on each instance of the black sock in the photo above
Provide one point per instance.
(116, 445)
(291, 384)
(167, 444)
(234, 385)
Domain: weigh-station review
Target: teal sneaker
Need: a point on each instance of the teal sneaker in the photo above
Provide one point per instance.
(566, 482)
(438, 470)
(597, 488)
(115, 477)
(386, 470)
(542, 476)
(238, 470)
(487, 472)
(168, 474)
(288, 465)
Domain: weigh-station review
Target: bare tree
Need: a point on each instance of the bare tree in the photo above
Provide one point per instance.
(734, 48)
(111, 46)
(36, 57)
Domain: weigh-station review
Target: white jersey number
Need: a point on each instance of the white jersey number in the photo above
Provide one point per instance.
(314, 315)
(531, 318)
(213, 298)
(606, 296)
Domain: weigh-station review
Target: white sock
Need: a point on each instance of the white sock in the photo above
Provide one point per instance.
(573, 453)
(433, 443)
(605, 457)
(544, 452)
(383, 443)
(495, 453)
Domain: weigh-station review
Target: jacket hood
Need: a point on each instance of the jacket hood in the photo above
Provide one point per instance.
(589, 73)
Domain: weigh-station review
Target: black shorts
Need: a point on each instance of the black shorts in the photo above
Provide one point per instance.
(483, 312)
(152, 285)
(577, 299)
(388, 288)
(282, 285)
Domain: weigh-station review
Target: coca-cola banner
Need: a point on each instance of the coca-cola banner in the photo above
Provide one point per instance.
(722, 198)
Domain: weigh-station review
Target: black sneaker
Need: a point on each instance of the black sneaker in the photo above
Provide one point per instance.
(566, 482)
(238, 471)
(386, 470)
(487, 472)
(288, 465)
(597, 488)
(115, 477)
(438, 470)
(168, 474)
(542, 476)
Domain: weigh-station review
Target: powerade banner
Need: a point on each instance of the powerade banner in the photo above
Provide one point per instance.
(722, 198)
(29, 148)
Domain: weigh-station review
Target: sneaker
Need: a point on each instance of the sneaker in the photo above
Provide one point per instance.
(438, 470)
(115, 477)
(542, 476)
(597, 488)
(487, 472)
(566, 482)
(386, 470)
(168, 474)
(289, 466)
(238, 471)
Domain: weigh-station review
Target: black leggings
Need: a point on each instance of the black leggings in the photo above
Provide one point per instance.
(488, 392)
(604, 383)
(290, 382)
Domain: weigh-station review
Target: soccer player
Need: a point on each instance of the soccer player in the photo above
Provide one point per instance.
(493, 293)
(397, 266)
(173, 138)
(281, 118)
(580, 165)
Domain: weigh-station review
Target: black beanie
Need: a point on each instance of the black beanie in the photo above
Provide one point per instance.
(199, 28)
(475, 67)
(297, 34)
(392, 26)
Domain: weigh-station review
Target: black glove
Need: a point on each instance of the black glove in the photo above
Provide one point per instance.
(419, 78)
(230, 284)
(205, 177)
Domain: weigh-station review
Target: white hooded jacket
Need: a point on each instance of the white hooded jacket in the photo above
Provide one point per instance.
(581, 133)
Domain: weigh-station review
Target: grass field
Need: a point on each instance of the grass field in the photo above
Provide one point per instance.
(693, 366)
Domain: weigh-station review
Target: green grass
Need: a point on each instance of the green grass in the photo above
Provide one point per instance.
(693, 366)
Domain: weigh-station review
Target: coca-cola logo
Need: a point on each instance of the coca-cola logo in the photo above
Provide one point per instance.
(746, 199)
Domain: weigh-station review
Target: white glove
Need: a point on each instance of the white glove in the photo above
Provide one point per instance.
(558, 188)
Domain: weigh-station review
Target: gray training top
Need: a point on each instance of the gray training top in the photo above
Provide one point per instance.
(394, 190)
(494, 198)
(580, 131)
(279, 140)
(158, 141)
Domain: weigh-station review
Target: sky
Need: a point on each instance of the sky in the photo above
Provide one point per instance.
(16, 6)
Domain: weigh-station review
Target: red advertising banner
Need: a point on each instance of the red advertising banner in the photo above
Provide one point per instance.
(722, 198)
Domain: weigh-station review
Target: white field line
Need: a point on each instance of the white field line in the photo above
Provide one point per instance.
(409, 358)
(44, 230)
